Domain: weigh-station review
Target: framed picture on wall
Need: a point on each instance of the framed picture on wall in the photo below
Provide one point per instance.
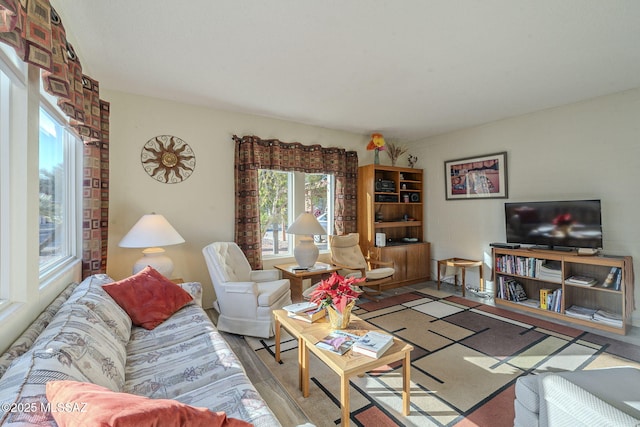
(479, 177)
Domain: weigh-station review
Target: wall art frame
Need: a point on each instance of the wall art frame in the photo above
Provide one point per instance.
(478, 177)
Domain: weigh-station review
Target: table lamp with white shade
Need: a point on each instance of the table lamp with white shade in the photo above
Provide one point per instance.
(306, 252)
(151, 232)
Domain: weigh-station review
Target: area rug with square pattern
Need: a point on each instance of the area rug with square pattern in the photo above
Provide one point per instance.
(466, 359)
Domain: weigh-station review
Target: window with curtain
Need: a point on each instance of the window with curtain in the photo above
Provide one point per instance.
(253, 154)
(285, 195)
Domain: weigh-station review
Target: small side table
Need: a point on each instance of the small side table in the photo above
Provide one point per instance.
(462, 264)
(320, 270)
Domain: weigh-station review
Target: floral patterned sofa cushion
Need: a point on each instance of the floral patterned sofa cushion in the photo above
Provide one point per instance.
(79, 337)
(188, 360)
(28, 337)
(91, 294)
(178, 357)
(235, 396)
(22, 388)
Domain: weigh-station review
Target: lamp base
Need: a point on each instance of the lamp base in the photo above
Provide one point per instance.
(306, 252)
(156, 258)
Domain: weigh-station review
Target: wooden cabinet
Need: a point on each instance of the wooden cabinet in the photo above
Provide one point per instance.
(390, 203)
(568, 276)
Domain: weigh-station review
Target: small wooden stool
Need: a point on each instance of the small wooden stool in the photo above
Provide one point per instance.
(462, 264)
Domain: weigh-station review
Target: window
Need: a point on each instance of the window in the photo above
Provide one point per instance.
(12, 97)
(318, 199)
(285, 195)
(57, 167)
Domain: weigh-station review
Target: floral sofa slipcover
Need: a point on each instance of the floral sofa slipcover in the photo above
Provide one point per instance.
(85, 336)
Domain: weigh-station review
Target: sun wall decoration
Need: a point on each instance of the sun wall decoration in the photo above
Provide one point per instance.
(168, 159)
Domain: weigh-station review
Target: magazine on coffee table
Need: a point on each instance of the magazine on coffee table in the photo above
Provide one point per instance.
(338, 342)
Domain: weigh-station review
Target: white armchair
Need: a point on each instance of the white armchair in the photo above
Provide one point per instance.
(245, 298)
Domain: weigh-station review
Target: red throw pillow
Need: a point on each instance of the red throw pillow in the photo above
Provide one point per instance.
(80, 404)
(148, 297)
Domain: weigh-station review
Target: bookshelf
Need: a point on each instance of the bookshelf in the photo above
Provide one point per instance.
(568, 276)
(394, 207)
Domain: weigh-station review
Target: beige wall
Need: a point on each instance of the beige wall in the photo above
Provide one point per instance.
(584, 150)
(201, 208)
(580, 151)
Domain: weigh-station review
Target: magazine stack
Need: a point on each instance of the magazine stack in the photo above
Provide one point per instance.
(551, 271)
(609, 318)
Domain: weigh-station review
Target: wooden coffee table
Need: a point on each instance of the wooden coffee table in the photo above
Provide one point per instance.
(347, 365)
(320, 271)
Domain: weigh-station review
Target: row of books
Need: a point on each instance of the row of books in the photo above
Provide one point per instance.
(594, 314)
(372, 344)
(551, 300)
(548, 270)
(551, 271)
(510, 290)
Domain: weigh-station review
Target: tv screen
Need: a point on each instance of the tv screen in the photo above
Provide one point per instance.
(560, 224)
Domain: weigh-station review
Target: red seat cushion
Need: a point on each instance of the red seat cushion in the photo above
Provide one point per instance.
(80, 404)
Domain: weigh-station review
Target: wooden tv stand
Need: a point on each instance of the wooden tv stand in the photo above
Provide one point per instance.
(519, 265)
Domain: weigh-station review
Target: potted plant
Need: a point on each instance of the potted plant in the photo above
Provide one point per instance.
(338, 294)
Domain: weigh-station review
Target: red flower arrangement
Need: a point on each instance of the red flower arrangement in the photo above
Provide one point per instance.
(337, 291)
(376, 142)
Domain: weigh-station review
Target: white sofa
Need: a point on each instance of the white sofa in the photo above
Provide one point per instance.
(85, 336)
(598, 398)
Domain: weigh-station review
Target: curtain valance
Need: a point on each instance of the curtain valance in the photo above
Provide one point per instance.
(34, 29)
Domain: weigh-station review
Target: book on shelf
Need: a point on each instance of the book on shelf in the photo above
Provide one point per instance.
(580, 312)
(338, 342)
(595, 315)
(551, 271)
(373, 344)
(530, 303)
(510, 289)
(581, 280)
(544, 293)
(618, 280)
(611, 278)
(551, 300)
(608, 317)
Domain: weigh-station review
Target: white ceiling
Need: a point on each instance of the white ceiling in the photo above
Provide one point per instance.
(406, 68)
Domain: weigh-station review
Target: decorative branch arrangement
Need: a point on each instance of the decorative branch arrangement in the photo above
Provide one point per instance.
(394, 151)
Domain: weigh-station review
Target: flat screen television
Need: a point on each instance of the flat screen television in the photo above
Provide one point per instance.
(555, 224)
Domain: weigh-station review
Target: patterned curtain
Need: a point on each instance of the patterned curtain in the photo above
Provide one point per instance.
(253, 153)
(35, 31)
